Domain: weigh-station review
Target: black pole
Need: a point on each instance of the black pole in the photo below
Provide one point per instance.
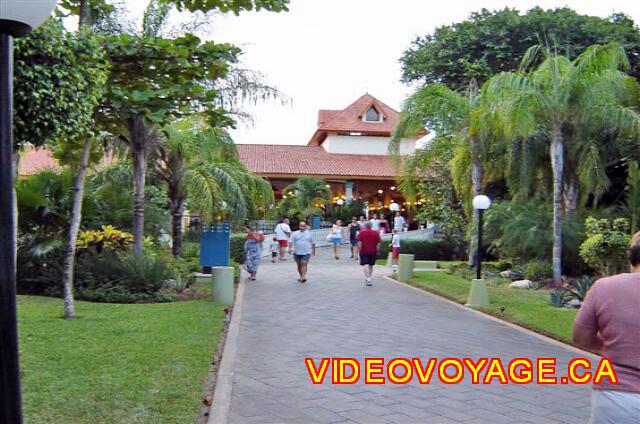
(10, 401)
(479, 249)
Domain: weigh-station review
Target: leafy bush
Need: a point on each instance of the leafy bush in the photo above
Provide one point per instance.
(107, 238)
(524, 231)
(605, 248)
(538, 270)
(558, 298)
(504, 265)
(127, 278)
(579, 287)
(429, 249)
(237, 248)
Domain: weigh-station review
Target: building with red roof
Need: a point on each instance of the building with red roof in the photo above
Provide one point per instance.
(349, 150)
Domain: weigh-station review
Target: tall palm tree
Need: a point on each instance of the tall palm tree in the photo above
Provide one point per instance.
(461, 117)
(303, 196)
(562, 97)
(200, 166)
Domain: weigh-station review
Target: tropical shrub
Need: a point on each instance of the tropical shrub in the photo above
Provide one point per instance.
(538, 270)
(522, 231)
(122, 278)
(605, 248)
(237, 248)
(579, 287)
(108, 238)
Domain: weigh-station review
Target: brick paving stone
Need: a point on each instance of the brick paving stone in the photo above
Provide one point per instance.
(335, 315)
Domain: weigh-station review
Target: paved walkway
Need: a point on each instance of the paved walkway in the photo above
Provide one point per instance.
(335, 315)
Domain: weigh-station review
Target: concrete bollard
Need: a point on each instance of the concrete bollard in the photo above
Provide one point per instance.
(222, 280)
(405, 267)
(478, 295)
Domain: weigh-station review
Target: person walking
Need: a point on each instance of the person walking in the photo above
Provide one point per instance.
(362, 221)
(368, 241)
(354, 229)
(395, 247)
(375, 223)
(399, 222)
(384, 225)
(609, 322)
(303, 246)
(274, 248)
(252, 250)
(283, 232)
(335, 238)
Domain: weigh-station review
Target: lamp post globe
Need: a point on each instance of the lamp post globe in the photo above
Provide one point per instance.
(17, 18)
(340, 202)
(394, 207)
(481, 203)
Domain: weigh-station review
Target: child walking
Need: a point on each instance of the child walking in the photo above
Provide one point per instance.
(274, 247)
(395, 247)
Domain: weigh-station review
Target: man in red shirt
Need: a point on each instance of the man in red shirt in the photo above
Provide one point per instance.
(368, 241)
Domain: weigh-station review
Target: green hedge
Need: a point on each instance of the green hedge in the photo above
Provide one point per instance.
(424, 250)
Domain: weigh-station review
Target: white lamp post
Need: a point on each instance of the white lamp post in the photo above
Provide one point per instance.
(478, 295)
(481, 203)
(17, 18)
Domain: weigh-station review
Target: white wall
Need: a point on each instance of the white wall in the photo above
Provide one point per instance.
(364, 145)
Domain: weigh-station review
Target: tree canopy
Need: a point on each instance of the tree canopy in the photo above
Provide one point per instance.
(235, 6)
(490, 42)
(59, 79)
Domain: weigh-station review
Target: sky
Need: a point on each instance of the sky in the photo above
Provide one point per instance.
(325, 54)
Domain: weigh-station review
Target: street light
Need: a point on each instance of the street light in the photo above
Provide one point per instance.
(17, 18)
(340, 202)
(481, 203)
(394, 207)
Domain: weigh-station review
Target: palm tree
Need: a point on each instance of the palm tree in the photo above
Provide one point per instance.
(200, 166)
(303, 196)
(562, 97)
(461, 117)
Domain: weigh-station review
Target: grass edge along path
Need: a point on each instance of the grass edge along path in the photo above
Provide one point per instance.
(116, 363)
(530, 309)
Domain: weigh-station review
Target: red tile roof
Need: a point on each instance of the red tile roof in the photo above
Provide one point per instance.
(350, 119)
(276, 159)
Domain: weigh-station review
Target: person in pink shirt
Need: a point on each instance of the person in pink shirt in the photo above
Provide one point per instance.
(609, 322)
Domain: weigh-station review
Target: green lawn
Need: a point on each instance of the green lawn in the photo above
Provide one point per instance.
(116, 363)
(528, 308)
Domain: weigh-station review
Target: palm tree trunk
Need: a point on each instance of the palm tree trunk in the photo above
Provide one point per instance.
(571, 193)
(74, 226)
(476, 181)
(177, 213)
(557, 164)
(139, 139)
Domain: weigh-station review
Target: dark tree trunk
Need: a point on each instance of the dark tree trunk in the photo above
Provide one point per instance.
(74, 227)
(557, 164)
(177, 212)
(139, 139)
(84, 14)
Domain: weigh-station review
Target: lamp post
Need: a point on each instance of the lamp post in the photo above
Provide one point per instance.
(481, 203)
(394, 207)
(478, 294)
(17, 18)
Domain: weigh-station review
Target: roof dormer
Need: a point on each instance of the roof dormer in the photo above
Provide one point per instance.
(373, 114)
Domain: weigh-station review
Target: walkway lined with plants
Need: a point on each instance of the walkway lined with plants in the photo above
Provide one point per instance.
(335, 315)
